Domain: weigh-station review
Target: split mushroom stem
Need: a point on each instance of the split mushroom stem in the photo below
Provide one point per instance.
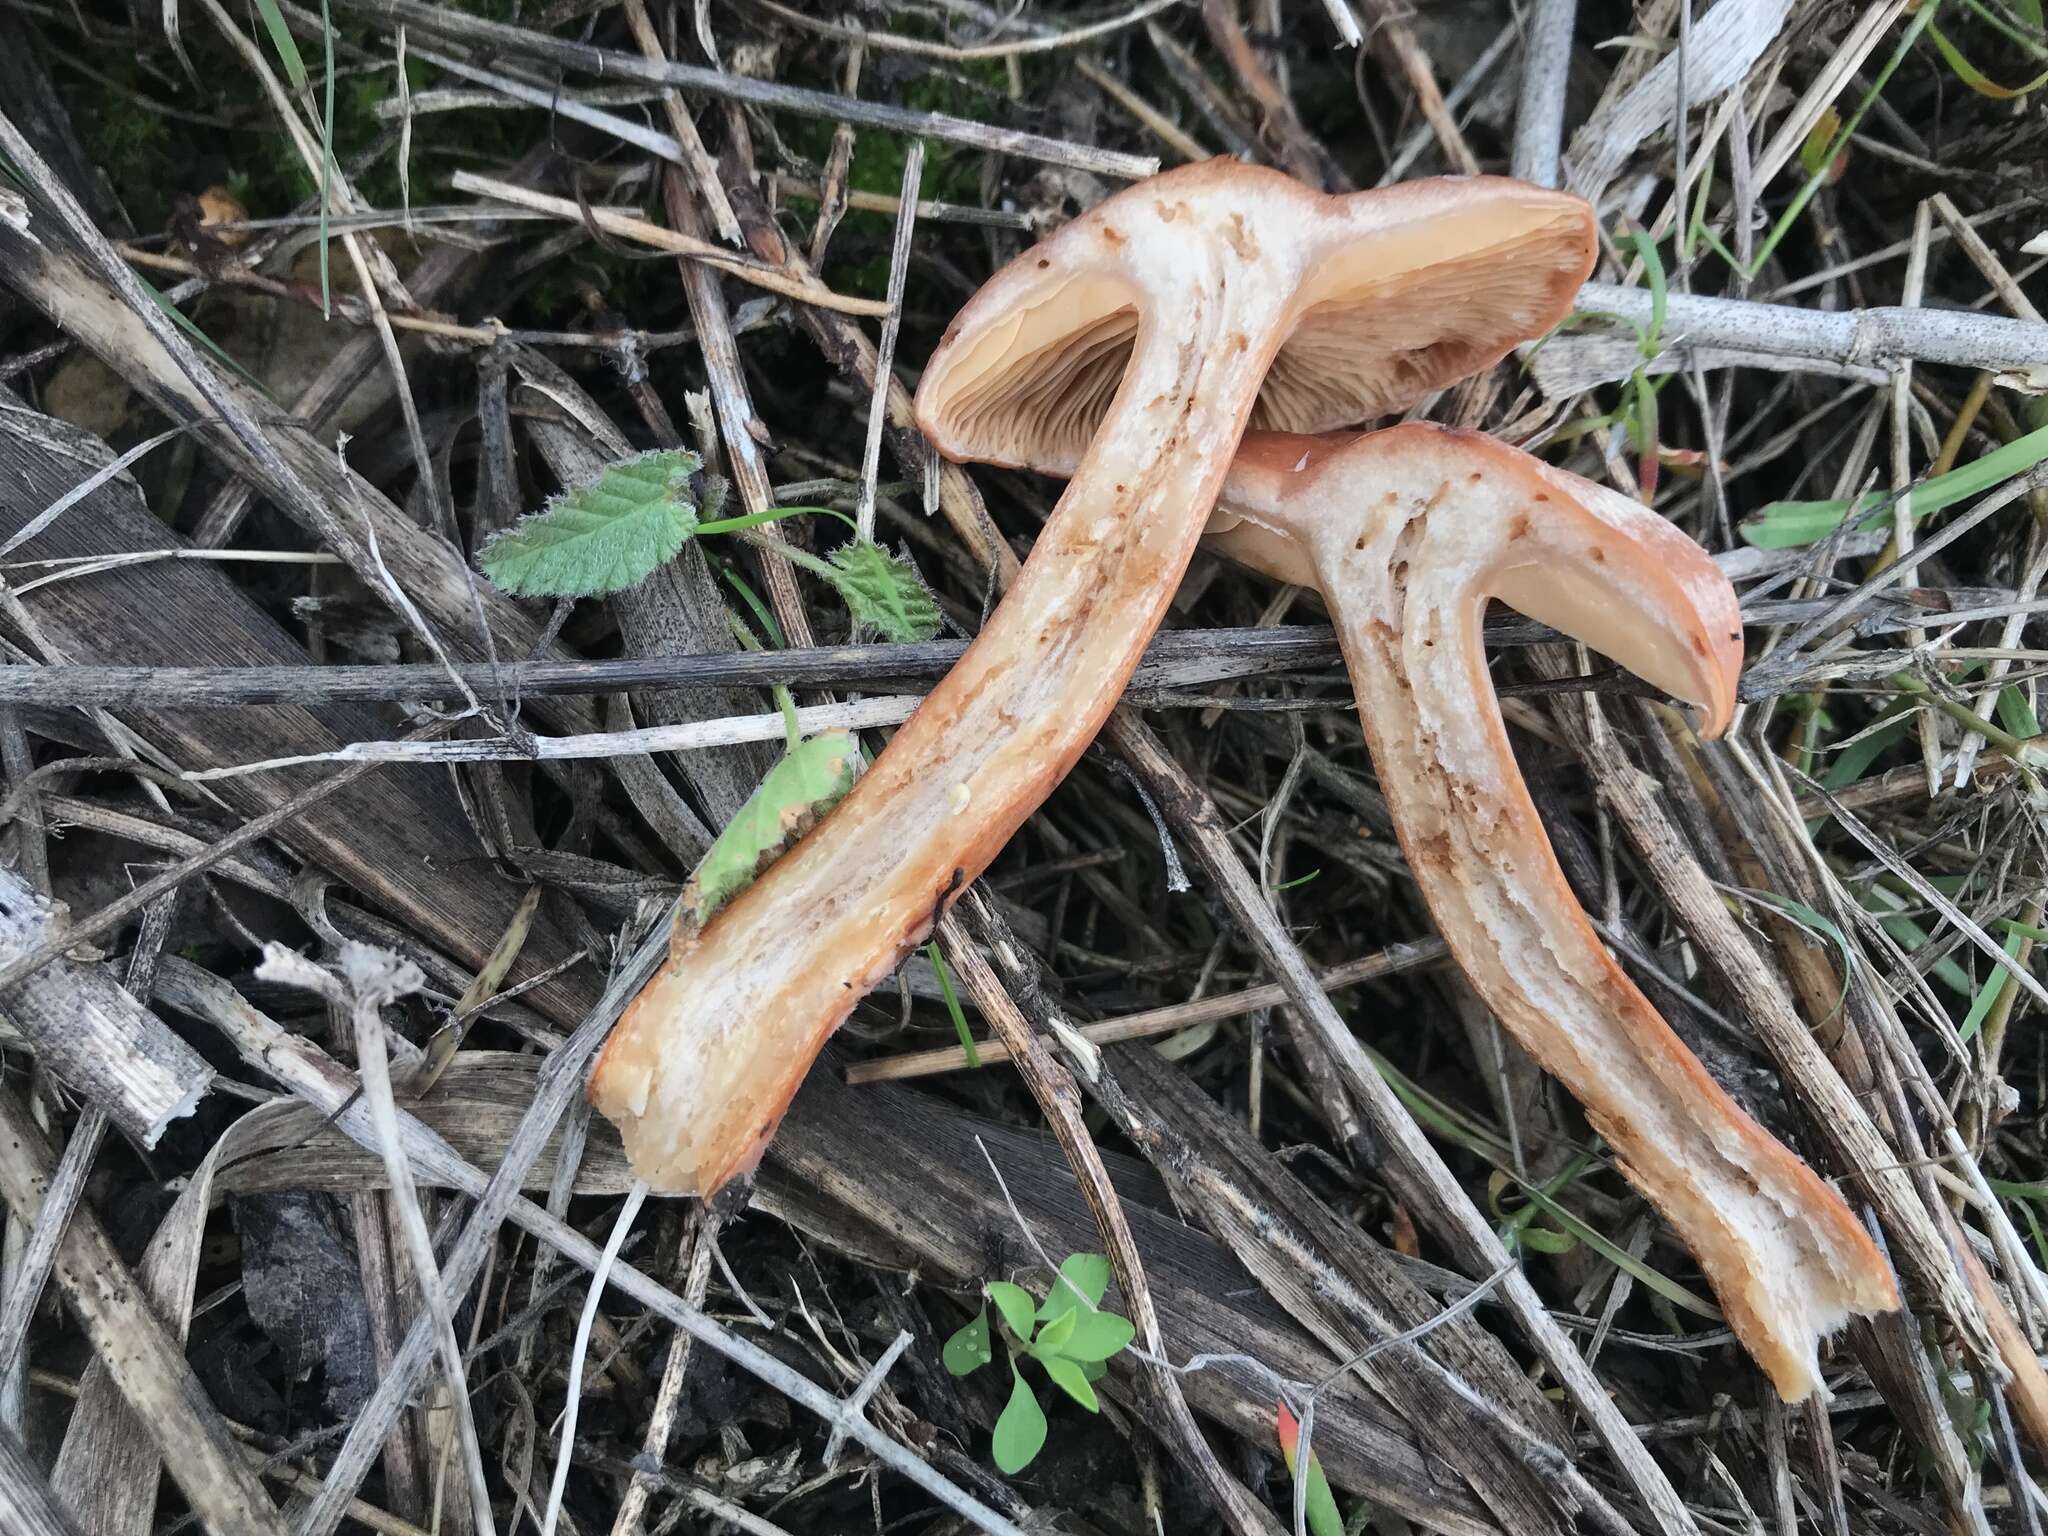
(1130, 348)
(1407, 533)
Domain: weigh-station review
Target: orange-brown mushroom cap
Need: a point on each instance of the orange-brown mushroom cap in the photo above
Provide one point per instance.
(1386, 296)
(1640, 592)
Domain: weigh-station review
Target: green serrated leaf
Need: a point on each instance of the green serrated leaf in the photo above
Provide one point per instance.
(792, 798)
(1020, 1432)
(969, 1349)
(882, 590)
(1016, 1305)
(1083, 1277)
(1098, 1336)
(1052, 1337)
(1070, 1379)
(606, 536)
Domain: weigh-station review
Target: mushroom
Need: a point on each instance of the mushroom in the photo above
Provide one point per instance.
(1407, 533)
(1129, 348)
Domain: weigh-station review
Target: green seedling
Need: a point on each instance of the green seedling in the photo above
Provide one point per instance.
(953, 1008)
(615, 531)
(1521, 1228)
(1636, 411)
(1068, 1334)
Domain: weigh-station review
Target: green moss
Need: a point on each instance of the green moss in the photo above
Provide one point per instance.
(977, 89)
(128, 140)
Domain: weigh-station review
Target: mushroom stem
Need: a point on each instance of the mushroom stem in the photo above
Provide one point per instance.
(982, 752)
(1408, 533)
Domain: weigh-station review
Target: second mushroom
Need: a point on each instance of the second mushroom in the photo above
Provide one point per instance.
(1407, 533)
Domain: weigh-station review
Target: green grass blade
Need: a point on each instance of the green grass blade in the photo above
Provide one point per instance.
(281, 39)
(953, 1005)
(190, 327)
(1922, 19)
(1653, 274)
(1789, 524)
(326, 156)
(1974, 77)
(1993, 986)
(1566, 1222)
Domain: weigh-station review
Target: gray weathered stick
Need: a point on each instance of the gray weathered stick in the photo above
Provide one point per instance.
(324, 1084)
(67, 1184)
(1174, 659)
(197, 379)
(27, 1506)
(1395, 960)
(31, 958)
(1854, 336)
(1181, 658)
(96, 1038)
(146, 1363)
(369, 979)
(1539, 113)
(614, 65)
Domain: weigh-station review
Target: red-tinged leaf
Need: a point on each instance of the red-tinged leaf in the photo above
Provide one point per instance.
(1824, 133)
(1974, 77)
(1323, 1519)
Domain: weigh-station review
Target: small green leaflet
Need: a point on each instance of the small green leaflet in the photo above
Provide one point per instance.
(634, 518)
(1097, 1337)
(1070, 1379)
(1084, 1276)
(882, 590)
(797, 792)
(1052, 1338)
(1016, 1305)
(1020, 1432)
(969, 1349)
(606, 536)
